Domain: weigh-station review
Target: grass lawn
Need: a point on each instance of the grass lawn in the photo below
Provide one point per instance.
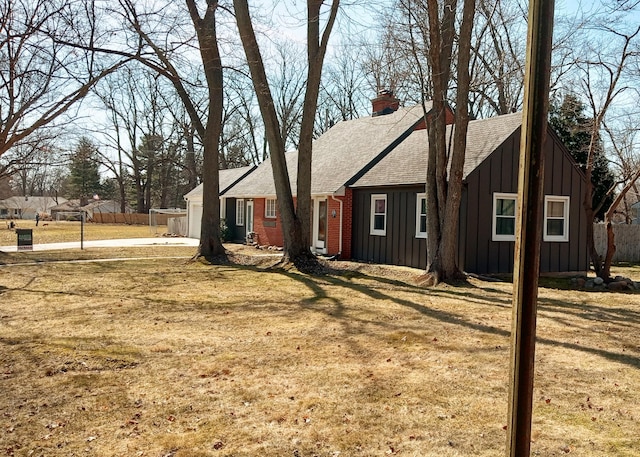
(164, 357)
(55, 232)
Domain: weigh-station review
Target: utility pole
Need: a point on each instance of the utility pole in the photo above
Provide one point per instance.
(529, 226)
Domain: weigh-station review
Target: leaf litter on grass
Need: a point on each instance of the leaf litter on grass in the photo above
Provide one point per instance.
(158, 357)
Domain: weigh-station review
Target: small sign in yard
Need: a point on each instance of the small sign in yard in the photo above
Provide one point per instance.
(25, 239)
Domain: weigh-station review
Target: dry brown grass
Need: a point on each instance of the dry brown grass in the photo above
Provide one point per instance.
(161, 357)
(55, 232)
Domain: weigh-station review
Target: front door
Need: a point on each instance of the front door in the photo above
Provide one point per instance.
(320, 225)
(249, 216)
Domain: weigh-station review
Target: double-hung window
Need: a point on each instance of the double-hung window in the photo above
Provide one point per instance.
(378, 214)
(421, 216)
(270, 208)
(556, 218)
(240, 212)
(504, 217)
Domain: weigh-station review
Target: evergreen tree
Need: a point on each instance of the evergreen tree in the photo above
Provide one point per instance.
(574, 129)
(84, 174)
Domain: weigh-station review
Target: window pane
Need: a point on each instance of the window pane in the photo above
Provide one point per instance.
(505, 207)
(423, 206)
(423, 224)
(379, 206)
(378, 222)
(505, 226)
(555, 209)
(555, 227)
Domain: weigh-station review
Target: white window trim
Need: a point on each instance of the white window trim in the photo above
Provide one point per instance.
(419, 234)
(383, 231)
(267, 215)
(223, 208)
(502, 196)
(240, 211)
(565, 217)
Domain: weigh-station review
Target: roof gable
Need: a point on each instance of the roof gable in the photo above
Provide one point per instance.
(338, 155)
(227, 178)
(407, 163)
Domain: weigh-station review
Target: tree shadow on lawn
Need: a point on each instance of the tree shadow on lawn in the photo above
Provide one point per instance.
(468, 292)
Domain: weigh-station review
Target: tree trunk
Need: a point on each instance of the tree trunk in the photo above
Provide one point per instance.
(444, 170)
(611, 246)
(296, 222)
(210, 242)
(449, 249)
(587, 203)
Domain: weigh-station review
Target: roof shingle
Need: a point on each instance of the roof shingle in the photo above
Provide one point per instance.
(407, 163)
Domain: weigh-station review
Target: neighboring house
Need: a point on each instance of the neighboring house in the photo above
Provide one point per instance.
(27, 207)
(66, 207)
(228, 178)
(389, 220)
(104, 207)
(343, 153)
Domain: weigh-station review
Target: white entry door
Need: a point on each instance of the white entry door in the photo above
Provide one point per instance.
(320, 225)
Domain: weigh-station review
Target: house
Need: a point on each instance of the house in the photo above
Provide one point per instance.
(95, 208)
(27, 207)
(344, 152)
(368, 184)
(389, 220)
(227, 178)
(69, 206)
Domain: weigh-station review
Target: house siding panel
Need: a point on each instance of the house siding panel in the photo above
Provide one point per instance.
(269, 234)
(499, 174)
(399, 246)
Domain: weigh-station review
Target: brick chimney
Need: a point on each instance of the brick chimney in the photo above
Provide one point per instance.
(384, 103)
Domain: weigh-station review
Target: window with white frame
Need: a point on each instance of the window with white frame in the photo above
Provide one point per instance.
(378, 214)
(270, 208)
(556, 218)
(504, 217)
(240, 212)
(421, 216)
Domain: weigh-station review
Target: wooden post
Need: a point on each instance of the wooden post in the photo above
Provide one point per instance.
(529, 226)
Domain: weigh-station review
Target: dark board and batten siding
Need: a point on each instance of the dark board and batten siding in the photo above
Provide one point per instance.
(399, 246)
(478, 253)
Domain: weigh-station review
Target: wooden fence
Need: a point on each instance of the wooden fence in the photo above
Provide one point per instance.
(127, 218)
(627, 239)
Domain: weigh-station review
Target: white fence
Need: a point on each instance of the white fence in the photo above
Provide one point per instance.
(177, 226)
(627, 240)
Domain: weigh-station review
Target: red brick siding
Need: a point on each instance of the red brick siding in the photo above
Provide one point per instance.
(271, 236)
(333, 226)
(347, 223)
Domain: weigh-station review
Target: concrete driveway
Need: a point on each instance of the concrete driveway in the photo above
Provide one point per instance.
(159, 241)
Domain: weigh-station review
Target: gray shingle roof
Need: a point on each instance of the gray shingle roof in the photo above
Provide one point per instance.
(227, 178)
(407, 163)
(337, 155)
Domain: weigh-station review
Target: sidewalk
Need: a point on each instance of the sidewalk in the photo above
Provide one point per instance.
(128, 242)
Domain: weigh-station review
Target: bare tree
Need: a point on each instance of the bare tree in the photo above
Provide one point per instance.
(625, 151)
(155, 32)
(445, 167)
(604, 78)
(42, 77)
(342, 96)
(295, 217)
(497, 64)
